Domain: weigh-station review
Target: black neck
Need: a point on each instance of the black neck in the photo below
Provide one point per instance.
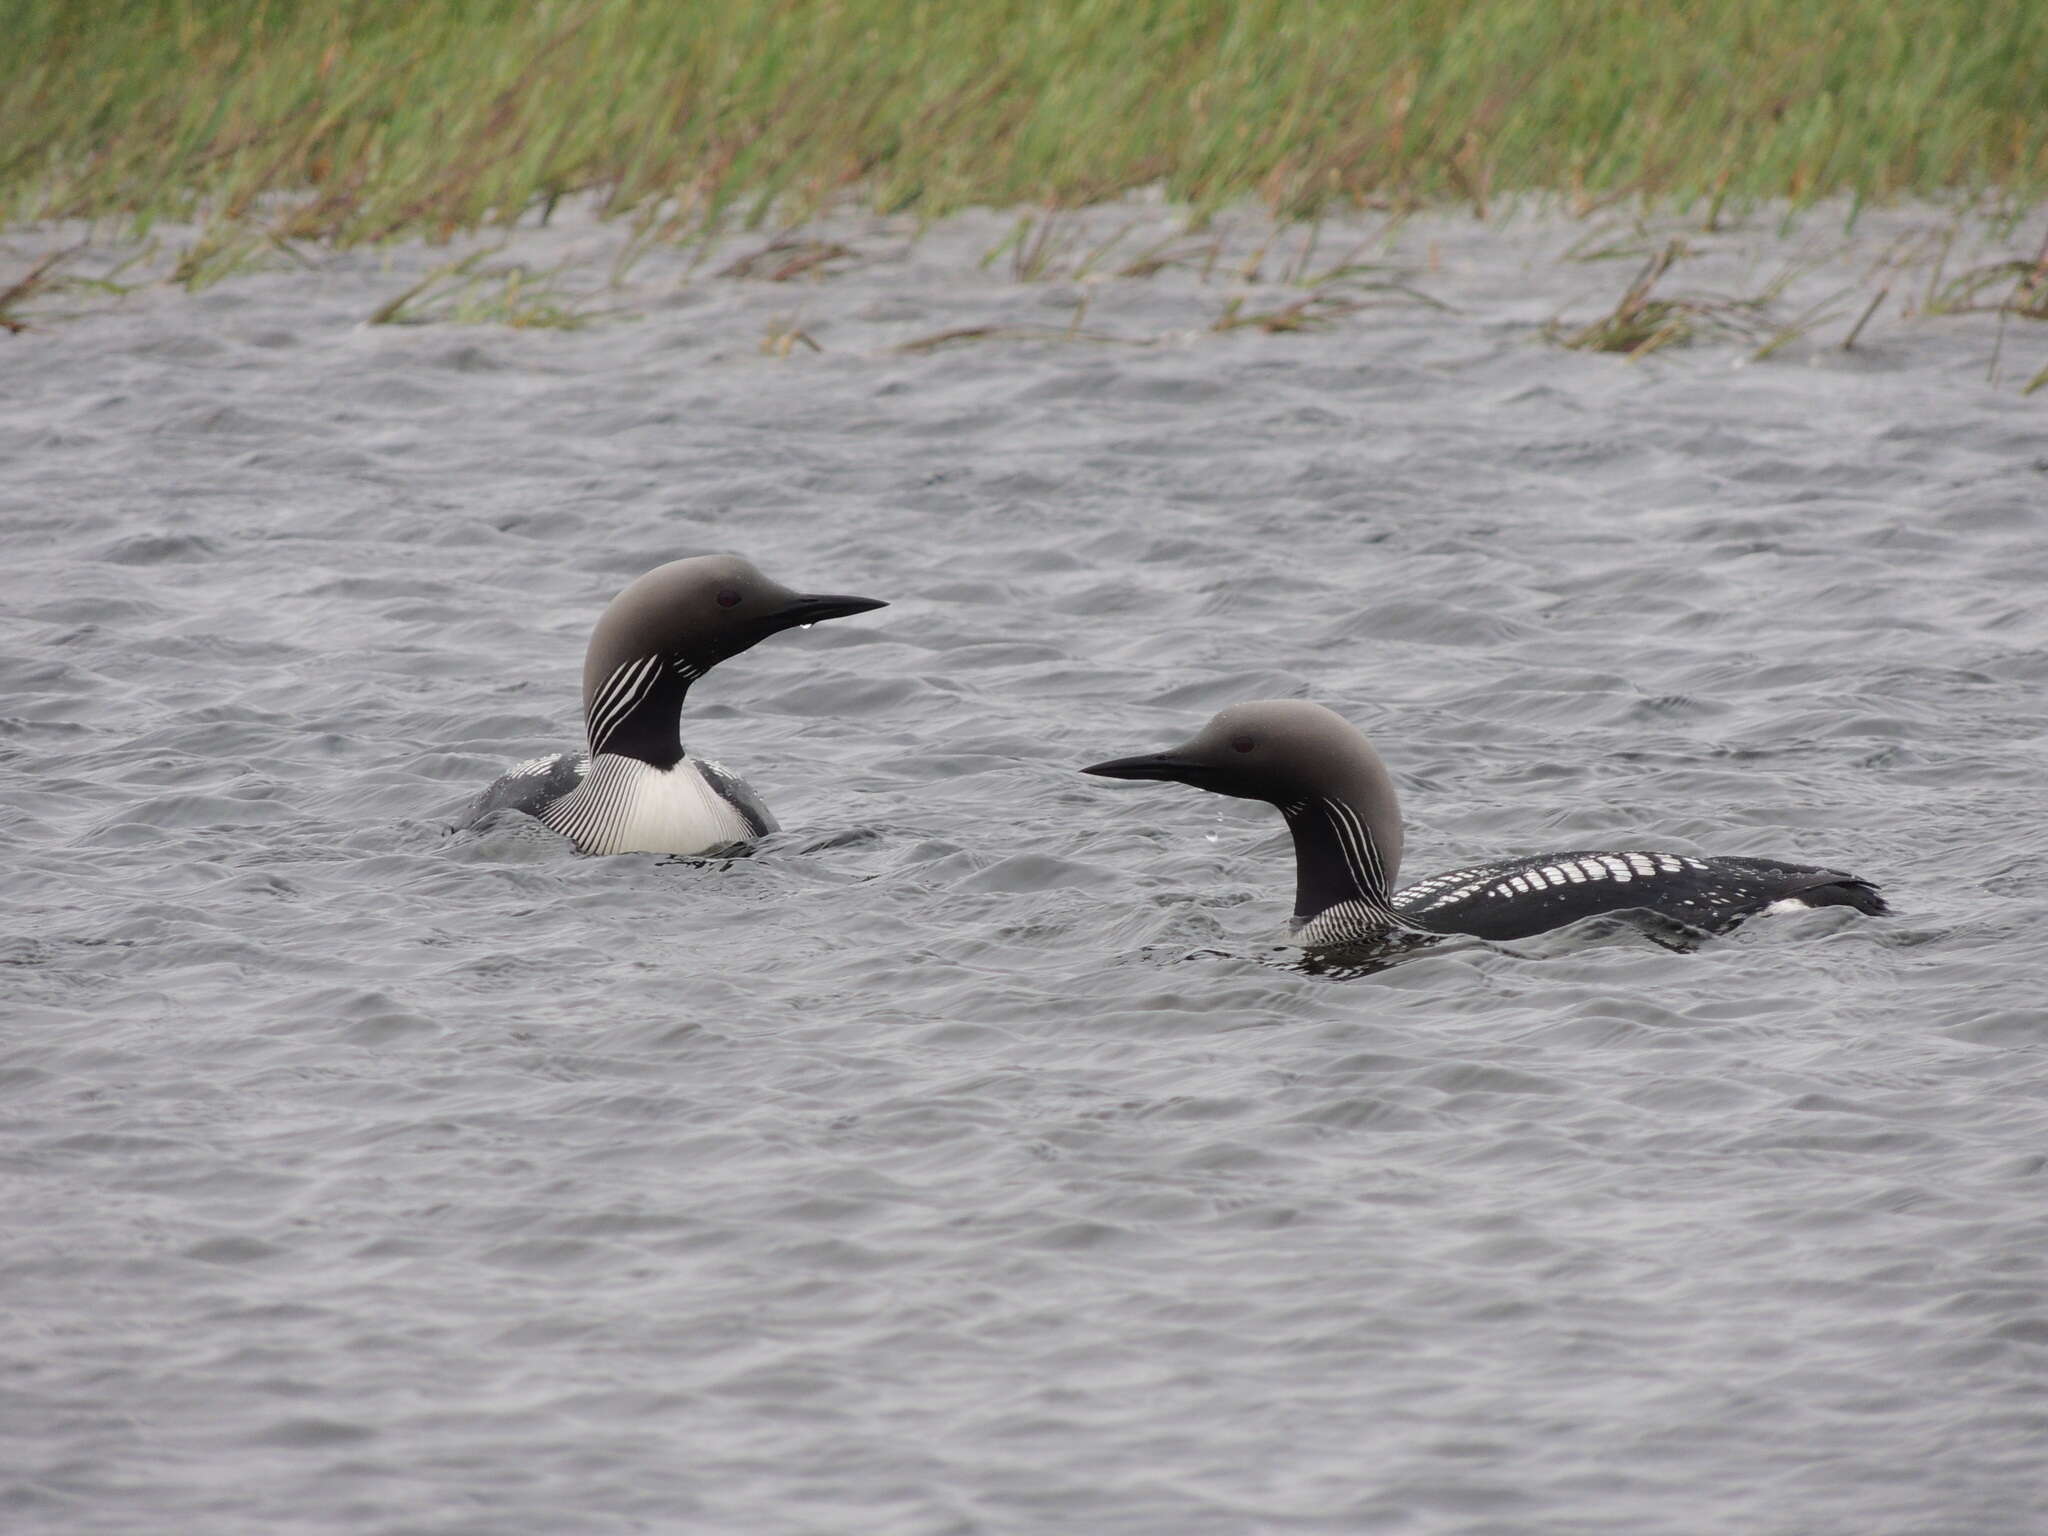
(652, 729)
(1335, 858)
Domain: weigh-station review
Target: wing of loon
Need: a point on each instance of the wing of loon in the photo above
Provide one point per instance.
(531, 787)
(1516, 898)
(738, 793)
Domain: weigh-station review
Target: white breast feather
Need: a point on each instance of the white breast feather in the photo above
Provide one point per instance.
(627, 806)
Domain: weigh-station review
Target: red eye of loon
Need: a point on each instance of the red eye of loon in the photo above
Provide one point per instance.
(1240, 743)
(728, 597)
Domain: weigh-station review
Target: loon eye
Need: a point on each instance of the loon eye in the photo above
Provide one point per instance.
(1241, 743)
(728, 597)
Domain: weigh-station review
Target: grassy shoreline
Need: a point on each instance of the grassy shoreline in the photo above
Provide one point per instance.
(369, 120)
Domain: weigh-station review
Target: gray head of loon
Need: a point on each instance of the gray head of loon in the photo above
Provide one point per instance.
(1319, 770)
(668, 629)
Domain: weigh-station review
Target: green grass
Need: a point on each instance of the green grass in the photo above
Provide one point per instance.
(359, 120)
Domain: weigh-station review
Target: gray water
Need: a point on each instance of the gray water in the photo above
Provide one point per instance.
(969, 1159)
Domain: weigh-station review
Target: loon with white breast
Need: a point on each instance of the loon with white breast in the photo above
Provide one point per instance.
(1339, 803)
(633, 789)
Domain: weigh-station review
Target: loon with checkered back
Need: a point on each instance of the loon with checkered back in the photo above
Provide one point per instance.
(634, 789)
(1339, 803)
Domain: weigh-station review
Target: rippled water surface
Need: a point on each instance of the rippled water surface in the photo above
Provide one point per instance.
(968, 1160)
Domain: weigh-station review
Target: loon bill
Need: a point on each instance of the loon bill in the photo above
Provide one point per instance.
(633, 789)
(1339, 803)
